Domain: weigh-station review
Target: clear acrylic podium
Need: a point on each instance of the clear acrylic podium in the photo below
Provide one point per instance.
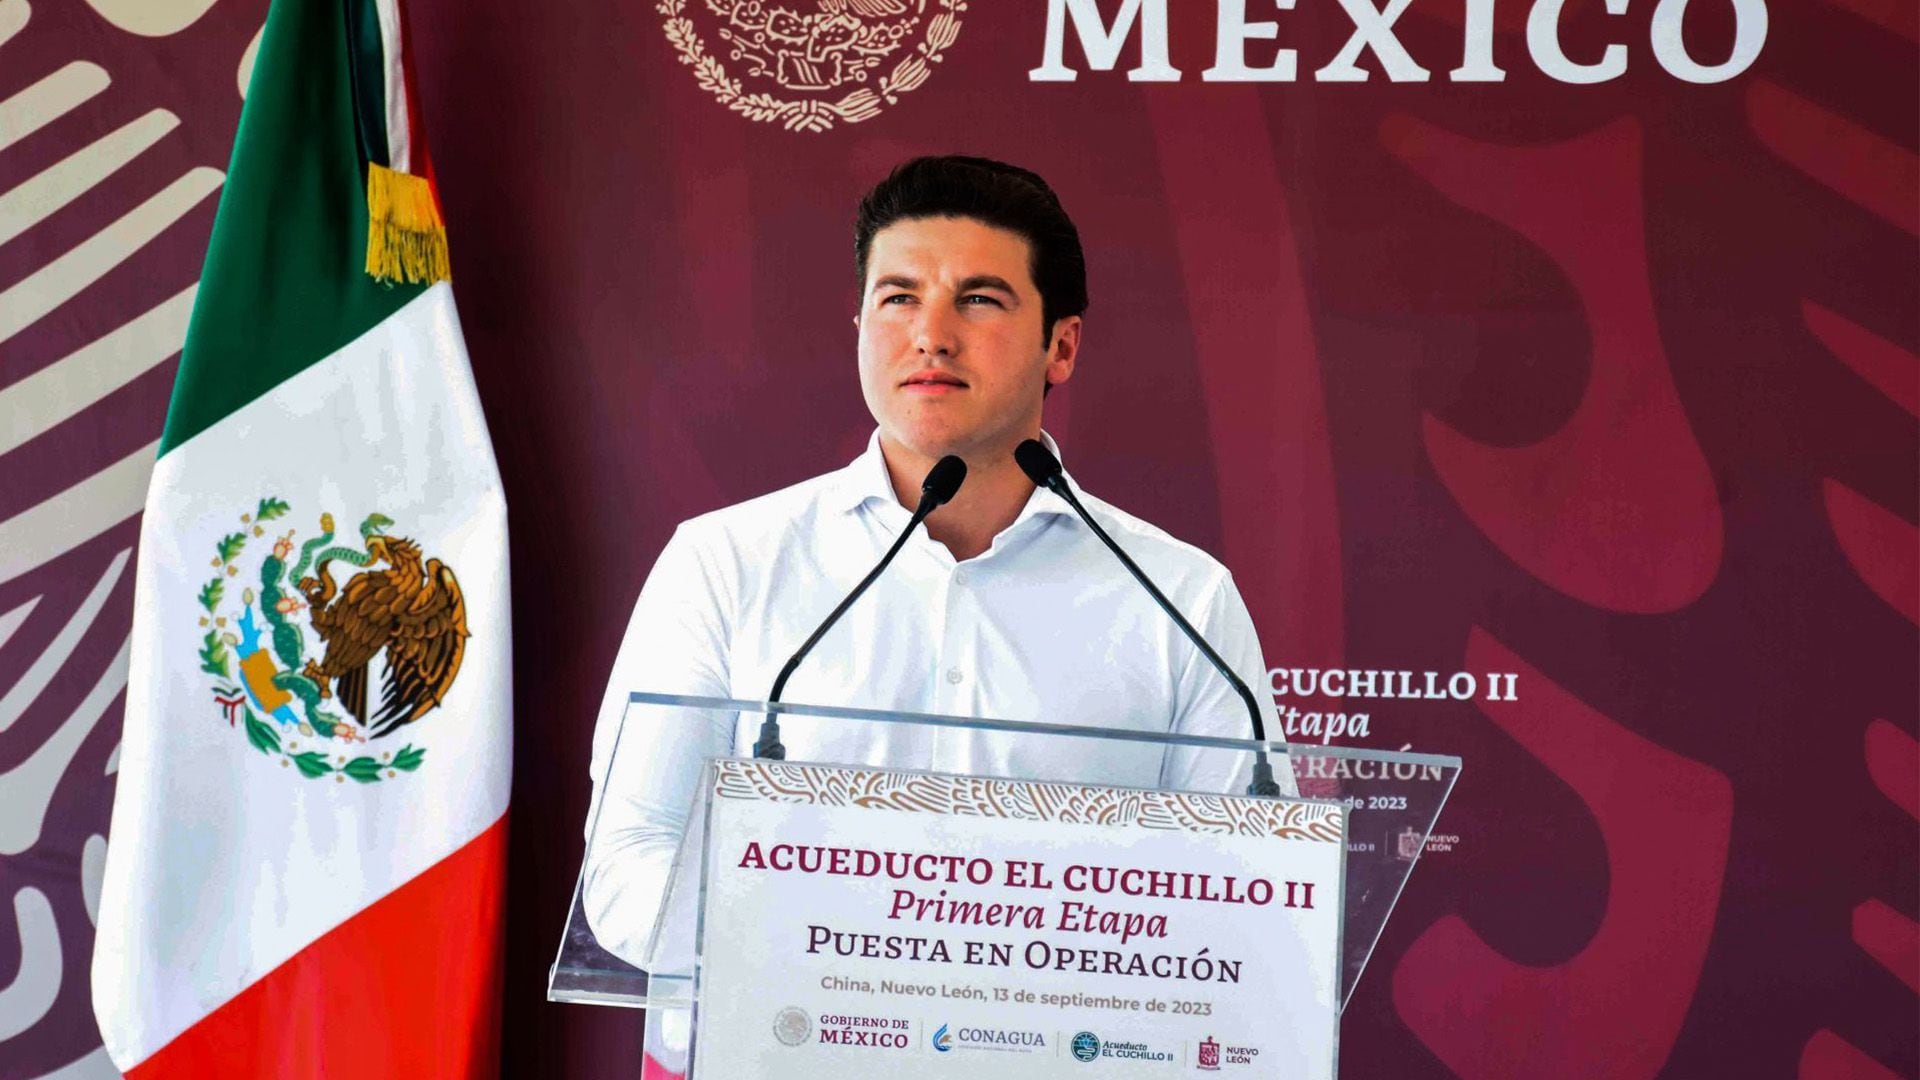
(632, 930)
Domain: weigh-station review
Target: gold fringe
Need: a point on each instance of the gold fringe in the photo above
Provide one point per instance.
(406, 240)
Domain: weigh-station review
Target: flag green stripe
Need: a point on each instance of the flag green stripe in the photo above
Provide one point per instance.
(367, 57)
(285, 283)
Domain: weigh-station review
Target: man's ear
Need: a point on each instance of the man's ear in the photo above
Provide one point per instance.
(1063, 349)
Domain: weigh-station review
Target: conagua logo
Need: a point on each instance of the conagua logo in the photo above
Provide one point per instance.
(838, 61)
(403, 612)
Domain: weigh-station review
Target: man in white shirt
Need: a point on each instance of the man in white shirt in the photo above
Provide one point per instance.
(1003, 604)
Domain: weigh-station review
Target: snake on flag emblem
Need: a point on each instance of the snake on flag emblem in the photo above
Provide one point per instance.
(306, 703)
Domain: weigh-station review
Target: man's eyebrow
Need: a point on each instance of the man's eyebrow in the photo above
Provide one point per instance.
(986, 281)
(967, 284)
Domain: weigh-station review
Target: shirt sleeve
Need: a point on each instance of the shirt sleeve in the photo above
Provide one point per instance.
(1206, 704)
(647, 760)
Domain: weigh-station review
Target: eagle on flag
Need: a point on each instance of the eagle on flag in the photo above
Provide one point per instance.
(412, 610)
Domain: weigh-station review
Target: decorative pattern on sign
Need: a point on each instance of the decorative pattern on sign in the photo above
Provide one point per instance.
(1025, 800)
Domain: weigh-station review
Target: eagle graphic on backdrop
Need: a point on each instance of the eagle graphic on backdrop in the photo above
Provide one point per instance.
(810, 65)
(837, 42)
(413, 610)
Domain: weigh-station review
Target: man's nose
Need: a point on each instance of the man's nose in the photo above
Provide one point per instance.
(937, 332)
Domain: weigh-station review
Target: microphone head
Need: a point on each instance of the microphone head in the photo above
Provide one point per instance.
(942, 481)
(1037, 462)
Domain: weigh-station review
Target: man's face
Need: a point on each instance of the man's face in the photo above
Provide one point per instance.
(952, 355)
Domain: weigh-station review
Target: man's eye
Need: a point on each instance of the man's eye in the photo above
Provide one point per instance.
(896, 298)
(980, 298)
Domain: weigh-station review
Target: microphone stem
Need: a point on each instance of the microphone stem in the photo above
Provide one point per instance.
(768, 745)
(1263, 781)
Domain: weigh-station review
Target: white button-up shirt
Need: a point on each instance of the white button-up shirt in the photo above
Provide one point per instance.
(1045, 625)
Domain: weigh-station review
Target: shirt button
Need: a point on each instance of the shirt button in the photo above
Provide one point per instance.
(954, 676)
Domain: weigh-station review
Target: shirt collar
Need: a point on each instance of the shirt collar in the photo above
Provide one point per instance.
(865, 480)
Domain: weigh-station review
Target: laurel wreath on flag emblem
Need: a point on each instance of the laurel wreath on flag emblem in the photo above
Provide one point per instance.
(837, 49)
(403, 612)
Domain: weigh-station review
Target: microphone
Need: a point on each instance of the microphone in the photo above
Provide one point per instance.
(942, 481)
(1044, 470)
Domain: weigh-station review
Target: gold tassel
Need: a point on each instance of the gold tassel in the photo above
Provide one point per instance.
(406, 240)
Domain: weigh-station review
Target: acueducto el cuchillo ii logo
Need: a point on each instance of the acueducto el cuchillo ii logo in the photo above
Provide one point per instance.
(1085, 1046)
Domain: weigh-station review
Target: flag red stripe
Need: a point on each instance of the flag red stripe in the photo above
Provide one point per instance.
(407, 987)
(421, 161)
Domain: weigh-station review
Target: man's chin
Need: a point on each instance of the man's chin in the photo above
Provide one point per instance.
(932, 444)
(977, 449)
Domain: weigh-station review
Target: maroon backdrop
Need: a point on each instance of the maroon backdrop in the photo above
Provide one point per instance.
(1610, 386)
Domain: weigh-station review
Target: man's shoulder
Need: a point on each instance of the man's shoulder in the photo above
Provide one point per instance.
(1158, 551)
(764, 518)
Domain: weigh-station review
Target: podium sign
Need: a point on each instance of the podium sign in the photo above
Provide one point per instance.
(867, 922)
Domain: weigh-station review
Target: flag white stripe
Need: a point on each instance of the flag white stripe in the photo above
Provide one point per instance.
(399, 136)
(389, 423)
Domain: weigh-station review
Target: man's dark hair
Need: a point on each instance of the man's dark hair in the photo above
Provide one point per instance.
(994, 193)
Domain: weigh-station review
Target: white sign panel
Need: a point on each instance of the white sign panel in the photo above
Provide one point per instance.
(862, 922)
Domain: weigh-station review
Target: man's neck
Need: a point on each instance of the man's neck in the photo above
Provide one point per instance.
(993, 496)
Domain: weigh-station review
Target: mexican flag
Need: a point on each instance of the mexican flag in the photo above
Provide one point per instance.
(305, 868)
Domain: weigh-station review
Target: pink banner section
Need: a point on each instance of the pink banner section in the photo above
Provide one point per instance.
(1547, 375)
